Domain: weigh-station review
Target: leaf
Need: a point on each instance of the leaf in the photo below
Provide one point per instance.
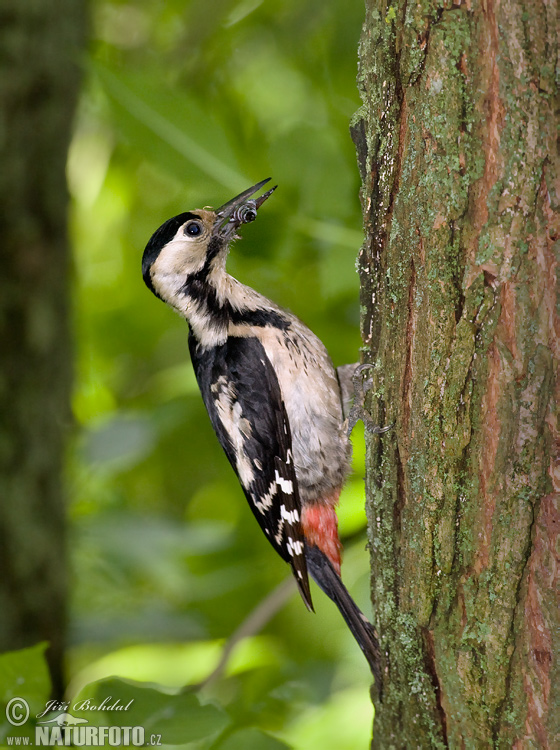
(251, 739)
(120, 442)
(23, 675)
(157, 115)
(177, 718)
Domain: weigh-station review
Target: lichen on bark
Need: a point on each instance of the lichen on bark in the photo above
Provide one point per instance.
(456, 143)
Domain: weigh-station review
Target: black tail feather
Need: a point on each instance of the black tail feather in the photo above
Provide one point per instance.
(325, 576)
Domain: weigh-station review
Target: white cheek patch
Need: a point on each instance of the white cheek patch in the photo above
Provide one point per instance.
(179, 258)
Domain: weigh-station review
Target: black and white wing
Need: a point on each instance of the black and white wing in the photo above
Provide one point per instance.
(241, 392)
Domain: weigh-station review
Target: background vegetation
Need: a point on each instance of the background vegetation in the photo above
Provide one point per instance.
(184, 107)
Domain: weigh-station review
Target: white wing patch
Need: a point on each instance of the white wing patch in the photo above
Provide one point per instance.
(291, 516)
(294, 548)
(237, 427)
(264, 503)
(286, 485)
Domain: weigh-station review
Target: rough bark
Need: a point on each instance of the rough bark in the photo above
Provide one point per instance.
(39, 79)
(456, 143)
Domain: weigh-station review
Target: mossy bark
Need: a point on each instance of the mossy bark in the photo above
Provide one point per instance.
(456, 143)
(39, 79)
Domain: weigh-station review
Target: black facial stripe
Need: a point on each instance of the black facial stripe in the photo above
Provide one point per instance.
(260, 318)
(205, 294)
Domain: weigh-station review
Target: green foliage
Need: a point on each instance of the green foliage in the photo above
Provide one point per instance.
(178, 719)
(185, 107)
(23, 675)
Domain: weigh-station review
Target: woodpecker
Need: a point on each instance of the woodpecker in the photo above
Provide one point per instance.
(274, 398)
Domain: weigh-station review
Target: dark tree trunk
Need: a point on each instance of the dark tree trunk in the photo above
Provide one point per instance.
(41, 44)
(457, 148)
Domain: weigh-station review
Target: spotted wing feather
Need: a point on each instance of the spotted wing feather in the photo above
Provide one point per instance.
(241, 393)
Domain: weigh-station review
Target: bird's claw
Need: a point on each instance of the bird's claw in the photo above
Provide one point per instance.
(358, 411)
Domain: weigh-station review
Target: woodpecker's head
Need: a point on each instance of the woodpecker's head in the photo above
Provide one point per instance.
(195, 243)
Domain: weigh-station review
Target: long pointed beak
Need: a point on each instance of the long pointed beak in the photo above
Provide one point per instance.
(241, 209)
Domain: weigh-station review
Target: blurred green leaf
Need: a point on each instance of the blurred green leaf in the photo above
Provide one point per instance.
(177, 718)
(178, 123)
(251, 739)
(23, 675)
(177, 664)
(352, 513)
(120, 442)
(345, 722)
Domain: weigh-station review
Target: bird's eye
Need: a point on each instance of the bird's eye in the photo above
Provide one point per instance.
(193, 229)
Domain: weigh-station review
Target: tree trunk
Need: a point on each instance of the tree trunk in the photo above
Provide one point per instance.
(39, 77)
(456, 142)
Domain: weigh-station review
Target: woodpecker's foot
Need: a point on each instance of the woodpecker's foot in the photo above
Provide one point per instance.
(358, 410)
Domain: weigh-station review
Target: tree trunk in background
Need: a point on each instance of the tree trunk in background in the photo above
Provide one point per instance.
(457, 148)
(41, 44)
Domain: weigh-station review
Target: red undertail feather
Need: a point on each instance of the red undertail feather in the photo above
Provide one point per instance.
(320, 527)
